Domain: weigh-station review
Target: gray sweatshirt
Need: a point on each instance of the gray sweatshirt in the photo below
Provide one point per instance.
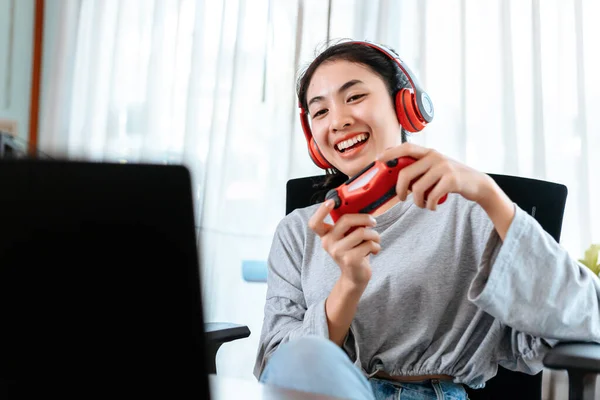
(446, 296)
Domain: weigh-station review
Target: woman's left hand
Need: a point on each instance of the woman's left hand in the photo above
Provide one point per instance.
(437, 174)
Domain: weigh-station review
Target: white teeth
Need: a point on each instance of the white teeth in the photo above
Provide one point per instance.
(347, 143)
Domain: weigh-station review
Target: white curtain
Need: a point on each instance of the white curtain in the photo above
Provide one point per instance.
(211, 84)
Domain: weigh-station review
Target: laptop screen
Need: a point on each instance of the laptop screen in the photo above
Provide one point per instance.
(99, 278)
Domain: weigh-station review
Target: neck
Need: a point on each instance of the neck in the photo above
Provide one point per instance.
(386, 206)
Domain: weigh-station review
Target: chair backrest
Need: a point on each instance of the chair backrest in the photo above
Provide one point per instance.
(545, 201)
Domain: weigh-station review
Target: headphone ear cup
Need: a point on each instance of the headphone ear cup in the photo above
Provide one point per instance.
(407, 111)
(313, 150)
(317, 156)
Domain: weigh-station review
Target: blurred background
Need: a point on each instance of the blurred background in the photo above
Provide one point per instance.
(211, 84)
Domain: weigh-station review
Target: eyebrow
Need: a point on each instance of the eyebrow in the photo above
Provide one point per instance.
(342, 88)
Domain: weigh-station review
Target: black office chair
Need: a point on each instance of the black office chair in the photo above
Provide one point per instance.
(216, 334)
(581, 360)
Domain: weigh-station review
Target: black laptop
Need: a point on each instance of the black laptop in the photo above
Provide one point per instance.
(99, 279)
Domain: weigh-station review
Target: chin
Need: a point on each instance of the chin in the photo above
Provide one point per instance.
(352, 170)
(355, 165)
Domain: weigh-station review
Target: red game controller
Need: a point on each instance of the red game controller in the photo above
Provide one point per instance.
(370, 188)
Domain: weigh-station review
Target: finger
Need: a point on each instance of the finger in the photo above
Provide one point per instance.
(443, 187)
(405, 149)
(357, 237)
(348, 221)
(408, 175)
(423, 185)
(317, 221)
(341, 249)
(364, 249)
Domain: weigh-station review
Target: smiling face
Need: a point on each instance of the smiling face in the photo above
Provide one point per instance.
(352, 115)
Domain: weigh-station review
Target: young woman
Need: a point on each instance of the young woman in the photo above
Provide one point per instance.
(421, 299)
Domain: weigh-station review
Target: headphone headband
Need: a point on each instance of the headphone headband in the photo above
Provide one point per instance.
(422, 98)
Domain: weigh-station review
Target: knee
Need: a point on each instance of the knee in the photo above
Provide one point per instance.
(319, 353)
(309, 356)
(316, 365)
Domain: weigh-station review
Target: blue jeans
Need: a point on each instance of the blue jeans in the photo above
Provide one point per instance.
(316, 365)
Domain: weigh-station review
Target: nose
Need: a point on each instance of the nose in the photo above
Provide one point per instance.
(340, 119)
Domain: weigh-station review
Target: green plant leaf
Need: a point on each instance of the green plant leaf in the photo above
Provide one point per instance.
(590, 258)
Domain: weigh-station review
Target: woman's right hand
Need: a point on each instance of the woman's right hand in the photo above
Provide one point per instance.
(351, 252)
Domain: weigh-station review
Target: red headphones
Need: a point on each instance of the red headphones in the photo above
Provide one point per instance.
(414, 108)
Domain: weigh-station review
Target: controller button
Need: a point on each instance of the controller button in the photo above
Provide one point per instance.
(333, 195)
(392, 163)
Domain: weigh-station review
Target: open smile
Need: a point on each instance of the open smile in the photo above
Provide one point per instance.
(352, 144)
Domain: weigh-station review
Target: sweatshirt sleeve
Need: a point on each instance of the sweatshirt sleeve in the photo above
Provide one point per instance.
(286, 314)
(520, 351)
(531, 284)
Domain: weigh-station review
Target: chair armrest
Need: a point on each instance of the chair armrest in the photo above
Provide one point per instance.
(218, 333)
(225, 331)
(574, 356)
(582, 362)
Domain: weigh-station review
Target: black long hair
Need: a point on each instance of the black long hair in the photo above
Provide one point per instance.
(376, 61)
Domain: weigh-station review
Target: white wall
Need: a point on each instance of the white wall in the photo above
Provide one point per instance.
(16, 54)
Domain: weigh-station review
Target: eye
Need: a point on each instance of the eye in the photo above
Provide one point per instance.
(355, 97)
(319, 113)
